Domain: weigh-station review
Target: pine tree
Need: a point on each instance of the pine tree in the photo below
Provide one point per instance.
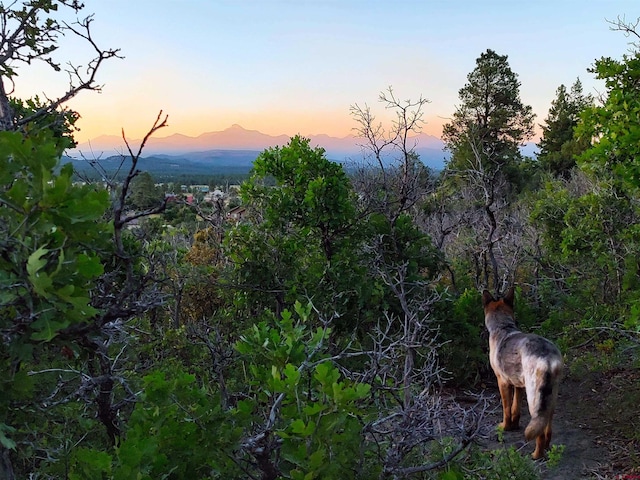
(492, 122)
(558, 145)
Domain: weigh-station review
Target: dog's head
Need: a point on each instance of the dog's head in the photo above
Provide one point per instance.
(503, 304)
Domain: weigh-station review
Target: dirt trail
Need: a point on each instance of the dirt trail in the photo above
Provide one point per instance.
(597, 421)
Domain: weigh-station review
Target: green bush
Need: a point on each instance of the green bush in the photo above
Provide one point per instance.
(461, 325)
(504, 463)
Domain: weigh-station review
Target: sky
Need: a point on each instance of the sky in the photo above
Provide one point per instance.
(296, 66)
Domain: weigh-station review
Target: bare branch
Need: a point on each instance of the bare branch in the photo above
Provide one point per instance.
(119, 219)
(78, 81)
(629, 29)
(28, 33)
(402, 180)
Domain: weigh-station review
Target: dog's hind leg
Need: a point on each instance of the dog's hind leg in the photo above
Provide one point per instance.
(516, 407)
(547, 433)
(507, 395)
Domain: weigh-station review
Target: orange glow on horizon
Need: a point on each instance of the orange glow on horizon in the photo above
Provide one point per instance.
(96, 125)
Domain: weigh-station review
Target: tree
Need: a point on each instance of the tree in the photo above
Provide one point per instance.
(404, 262)
(29, 31)
(398, 179)
(484, 137)
(144, 193)
(54, 238)
(588, 221)
(613, 165)
(302, 229)
(72, 282)
(615, 125)
(491, 118)
(311, 191)
(558, 145)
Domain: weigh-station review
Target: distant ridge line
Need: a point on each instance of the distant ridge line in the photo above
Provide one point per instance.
(234, 138)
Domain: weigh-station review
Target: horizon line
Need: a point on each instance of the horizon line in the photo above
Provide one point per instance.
(240, 127)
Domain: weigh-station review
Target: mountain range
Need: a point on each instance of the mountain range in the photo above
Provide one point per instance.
(237, 138)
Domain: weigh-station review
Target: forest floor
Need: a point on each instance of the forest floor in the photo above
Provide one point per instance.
(597, 420)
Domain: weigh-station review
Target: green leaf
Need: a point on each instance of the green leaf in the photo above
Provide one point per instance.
(292, 375)
(89, 266)
(451, 475)
(35, 262)
(313, 408)
(41, 283)
(7, 296)
(4, 440)
(81, 308)
(40, 280)
(298, 426)
(304, 430)
(327, 375)
(245, 407)
(90, 463)
(47, 329)
(317, 459)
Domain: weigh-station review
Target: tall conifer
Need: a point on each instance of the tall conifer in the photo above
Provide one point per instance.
(492, 122)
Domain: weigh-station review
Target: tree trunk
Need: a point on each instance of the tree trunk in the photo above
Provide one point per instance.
(6, 115)
(6, 469)
(490, 244)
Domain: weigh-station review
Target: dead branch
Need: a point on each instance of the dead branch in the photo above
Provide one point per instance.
(119, 219)
(399, 184)
(628, 28)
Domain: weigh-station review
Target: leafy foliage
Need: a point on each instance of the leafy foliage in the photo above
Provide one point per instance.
(303, 240)
(144, 193)
(311, 191)
(318, 417)
(615, 125)
(505, 463)
(53, 234)
(61, 123)
(52, 240)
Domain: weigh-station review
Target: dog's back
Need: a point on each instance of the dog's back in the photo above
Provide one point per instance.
(523, 361)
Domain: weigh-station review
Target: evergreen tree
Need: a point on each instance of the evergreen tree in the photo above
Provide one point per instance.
(143, 193)
(492, 122)
(558, 146)
(484, 137)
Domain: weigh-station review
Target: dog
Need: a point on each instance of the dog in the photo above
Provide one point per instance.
(522, 363)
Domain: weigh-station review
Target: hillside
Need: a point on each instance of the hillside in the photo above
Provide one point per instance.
(167, 167)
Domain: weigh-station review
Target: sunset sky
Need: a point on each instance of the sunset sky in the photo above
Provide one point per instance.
(295, 66)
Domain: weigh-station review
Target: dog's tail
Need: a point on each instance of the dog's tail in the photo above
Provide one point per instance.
(536, 427)
(546, 393)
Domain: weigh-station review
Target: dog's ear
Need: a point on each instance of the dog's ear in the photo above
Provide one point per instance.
(487, 298)
(508, 297)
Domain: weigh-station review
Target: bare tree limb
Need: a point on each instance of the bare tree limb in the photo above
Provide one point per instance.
(628, 28)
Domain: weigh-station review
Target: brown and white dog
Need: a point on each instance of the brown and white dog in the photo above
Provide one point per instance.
(522, 362)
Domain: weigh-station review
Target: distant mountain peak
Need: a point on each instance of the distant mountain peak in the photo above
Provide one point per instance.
(236, 137)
